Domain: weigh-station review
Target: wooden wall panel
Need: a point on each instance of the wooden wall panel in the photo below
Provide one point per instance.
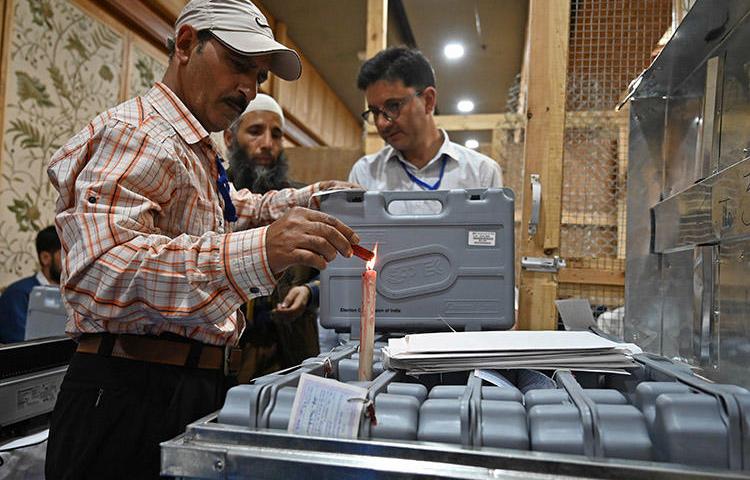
(310, 165)
(299, 103)
(314, 102)
(311, 103)
(329, 103)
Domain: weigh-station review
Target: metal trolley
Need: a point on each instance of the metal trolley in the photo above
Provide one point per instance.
(246, 439)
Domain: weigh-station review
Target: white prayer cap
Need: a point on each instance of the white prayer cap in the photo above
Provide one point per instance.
(265, 103)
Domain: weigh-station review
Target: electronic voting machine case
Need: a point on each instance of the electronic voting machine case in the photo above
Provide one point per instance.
(454, 266)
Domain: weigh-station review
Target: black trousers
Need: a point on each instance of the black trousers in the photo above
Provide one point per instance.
(111, 413)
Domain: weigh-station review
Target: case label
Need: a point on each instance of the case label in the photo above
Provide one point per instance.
(482, 239)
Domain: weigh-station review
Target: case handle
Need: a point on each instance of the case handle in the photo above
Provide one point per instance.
(536, 203)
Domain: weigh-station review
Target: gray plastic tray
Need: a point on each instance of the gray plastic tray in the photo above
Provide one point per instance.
(659, 413)
(452, 268)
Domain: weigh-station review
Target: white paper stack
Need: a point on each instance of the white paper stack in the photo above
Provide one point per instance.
(456, 351)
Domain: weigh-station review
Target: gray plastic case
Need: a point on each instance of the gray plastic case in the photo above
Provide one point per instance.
(658, 413)
(46, 315)
(454, 267)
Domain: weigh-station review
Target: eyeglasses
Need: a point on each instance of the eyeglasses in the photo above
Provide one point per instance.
(390, 111)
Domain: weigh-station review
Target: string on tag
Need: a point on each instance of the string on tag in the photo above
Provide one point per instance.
(327, 367)
(370, 413)
(369, 408)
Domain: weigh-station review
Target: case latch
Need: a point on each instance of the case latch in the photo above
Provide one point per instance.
(542, 264)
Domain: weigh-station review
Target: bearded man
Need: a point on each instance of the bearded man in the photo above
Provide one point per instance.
(282, 327)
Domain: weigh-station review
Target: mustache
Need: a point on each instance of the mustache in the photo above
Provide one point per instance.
(238, 102)
(264, 156)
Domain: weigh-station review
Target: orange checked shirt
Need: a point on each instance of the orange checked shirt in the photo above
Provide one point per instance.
(145, 245)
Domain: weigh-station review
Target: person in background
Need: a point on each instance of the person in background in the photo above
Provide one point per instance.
(160, 251)
(399, 85)
(282, 327)
(14, 302)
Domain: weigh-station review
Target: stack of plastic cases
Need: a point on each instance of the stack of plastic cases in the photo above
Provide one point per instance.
(454, 267)
(661, 412)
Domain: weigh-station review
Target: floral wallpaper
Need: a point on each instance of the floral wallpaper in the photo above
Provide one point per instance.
(63, 68)
(145, 69)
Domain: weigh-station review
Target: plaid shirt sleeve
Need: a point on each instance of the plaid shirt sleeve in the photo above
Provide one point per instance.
(254, 209)
(127, 266)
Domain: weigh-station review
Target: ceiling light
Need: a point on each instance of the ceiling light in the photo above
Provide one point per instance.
(453, 51)
(471, 143)
(465, 106)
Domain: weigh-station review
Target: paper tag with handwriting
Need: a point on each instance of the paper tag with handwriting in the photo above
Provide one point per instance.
(324, 407)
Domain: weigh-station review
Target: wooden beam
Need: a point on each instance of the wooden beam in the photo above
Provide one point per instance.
(597, 219)
(591, 263)
(169, 10)
(377, 35)
(622, 174)
(491, 121)
(482, 121)
(596, 118)
(377, 26)
(523, 87)
(543, 154)
(591, 277)
(140, 16)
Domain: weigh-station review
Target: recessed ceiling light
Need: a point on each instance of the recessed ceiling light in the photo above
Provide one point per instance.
(465, 106)
(453, 51)
(471, 143)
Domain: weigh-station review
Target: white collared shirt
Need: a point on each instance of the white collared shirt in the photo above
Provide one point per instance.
(464, 168)
(42, 279)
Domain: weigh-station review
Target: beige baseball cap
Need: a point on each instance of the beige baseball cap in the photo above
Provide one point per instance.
(241, 26)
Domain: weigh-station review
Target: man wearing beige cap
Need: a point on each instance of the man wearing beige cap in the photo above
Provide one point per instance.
(159, 250)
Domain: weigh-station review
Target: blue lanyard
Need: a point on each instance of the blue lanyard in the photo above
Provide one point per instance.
(422, 184)
(230, 213)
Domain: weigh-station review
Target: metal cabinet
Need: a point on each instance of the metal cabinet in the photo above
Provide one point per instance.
(688, 247)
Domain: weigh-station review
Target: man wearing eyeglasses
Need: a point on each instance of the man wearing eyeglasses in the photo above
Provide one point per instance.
(399, 84)
(160, 250)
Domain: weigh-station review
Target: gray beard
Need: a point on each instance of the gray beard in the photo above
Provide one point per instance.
(244, 173)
